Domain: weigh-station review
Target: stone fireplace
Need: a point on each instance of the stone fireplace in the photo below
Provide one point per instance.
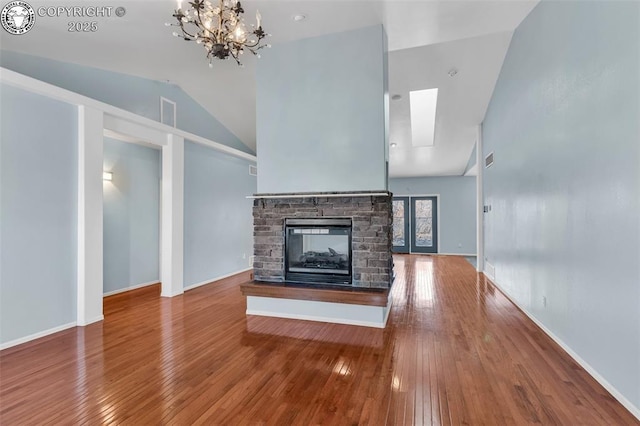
(327, 238)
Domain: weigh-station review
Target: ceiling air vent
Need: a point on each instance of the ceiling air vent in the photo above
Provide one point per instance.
(488, 160)
(253, 170)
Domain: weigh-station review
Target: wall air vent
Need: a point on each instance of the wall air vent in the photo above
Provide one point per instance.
(253, 170)
(488, 160)
(489, 271)
(168, 110)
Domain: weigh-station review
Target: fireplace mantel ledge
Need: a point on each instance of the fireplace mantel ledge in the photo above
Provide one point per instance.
(319, 194)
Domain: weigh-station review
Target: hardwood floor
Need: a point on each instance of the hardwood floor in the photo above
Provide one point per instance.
(455, 351)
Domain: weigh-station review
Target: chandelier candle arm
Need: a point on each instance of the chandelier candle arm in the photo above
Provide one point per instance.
(222, 37)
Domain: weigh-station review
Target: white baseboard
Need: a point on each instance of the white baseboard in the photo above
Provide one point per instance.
(200, 284)
(34, 336)
(177, 293)
(584, 364)
(91, 321)
(133, 287)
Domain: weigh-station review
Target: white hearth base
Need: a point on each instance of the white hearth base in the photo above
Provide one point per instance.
(311, 310)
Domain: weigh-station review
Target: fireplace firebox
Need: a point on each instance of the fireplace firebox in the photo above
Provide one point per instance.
(318, 251)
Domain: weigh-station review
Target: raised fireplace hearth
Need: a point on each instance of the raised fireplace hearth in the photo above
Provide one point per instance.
(331, 238)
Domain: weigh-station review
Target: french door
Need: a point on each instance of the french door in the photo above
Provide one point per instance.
(401, 238)
(415, 224)
(424, 224)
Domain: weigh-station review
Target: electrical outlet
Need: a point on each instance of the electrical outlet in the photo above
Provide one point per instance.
(244, 255)
(459, 245)
(544, 301)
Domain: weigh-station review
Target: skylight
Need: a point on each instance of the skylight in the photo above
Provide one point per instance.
(423, 116)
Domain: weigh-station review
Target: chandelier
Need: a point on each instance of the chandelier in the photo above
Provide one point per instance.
(219, 28)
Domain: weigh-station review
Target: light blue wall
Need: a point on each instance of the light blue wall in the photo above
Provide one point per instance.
(564, 188)
(131, 215)
(320, 114)
(38, 213)
(138, 95)
(472, 159)
(218, 218)
(38, 196)
(457, 215)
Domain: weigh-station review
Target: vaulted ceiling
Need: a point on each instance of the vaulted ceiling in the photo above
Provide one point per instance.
(426, 40)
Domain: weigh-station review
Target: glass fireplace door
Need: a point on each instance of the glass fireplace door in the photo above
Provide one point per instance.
(318, 253)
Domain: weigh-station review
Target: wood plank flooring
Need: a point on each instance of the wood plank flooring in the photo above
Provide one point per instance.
(455, 351)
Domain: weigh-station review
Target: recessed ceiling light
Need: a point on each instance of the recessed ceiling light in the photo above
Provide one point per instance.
(299, 17)
(452, 72)
(393, 144)
(396, 97)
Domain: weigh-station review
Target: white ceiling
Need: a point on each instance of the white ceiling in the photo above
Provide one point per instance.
(427, 39)
(462, 101)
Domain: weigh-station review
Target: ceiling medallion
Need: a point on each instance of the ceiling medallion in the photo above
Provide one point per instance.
(220, 29)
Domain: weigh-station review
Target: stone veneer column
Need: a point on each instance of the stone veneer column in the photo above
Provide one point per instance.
(371, 234)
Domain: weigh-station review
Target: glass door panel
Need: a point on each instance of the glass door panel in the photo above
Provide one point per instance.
(401, 224)
(424, 229)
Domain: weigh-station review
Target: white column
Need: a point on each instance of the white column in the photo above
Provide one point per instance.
(172, 232)
(89, 280)
(480, 201)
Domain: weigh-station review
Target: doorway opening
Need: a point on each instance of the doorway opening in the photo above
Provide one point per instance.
(131, 216)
